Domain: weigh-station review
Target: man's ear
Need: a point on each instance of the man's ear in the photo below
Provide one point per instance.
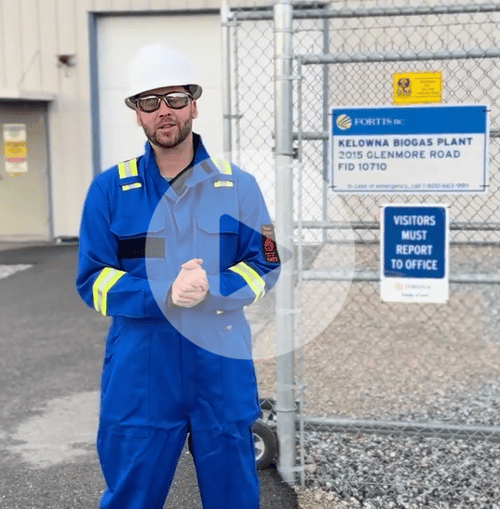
(138, 117)
(194, 110)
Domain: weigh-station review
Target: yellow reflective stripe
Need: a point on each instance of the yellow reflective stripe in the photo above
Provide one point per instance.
(121, 170)
(128, 169)
(252, 279)
(223, 183)
(104, 282)
(128, 187)
(227, 167)
(223, 166)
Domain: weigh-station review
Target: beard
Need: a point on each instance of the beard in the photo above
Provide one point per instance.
(178, 134)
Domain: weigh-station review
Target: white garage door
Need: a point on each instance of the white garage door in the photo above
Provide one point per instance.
(118, 39)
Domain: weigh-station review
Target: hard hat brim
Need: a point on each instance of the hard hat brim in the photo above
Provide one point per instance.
(194, 90)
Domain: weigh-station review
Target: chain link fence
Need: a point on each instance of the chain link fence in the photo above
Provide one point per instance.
(399, 403)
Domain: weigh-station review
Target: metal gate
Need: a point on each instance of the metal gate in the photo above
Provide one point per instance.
(394, 405)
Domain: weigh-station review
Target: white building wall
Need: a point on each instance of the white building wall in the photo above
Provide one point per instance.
(32, 33)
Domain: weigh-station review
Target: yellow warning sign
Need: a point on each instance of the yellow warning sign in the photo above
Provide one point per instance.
(15, 149)
(417, 87)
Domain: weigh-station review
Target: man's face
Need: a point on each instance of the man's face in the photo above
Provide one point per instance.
(167, 127)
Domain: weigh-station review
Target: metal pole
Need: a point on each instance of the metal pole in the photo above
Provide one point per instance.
(371, 12)
(285, 403)
(393, 428)
(326, 105)
(404, 56)
(299, 267)
(236, 113)
(225, 15)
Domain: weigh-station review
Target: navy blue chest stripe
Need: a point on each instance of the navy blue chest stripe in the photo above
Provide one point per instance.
(136, 248)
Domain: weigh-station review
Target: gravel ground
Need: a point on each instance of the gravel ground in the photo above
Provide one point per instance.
(401, 362)
(372, 472)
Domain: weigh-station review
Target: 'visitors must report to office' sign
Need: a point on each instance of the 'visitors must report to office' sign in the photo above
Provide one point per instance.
(409, 149)
(414, 253)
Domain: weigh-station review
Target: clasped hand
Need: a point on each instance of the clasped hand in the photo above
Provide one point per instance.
(190, 286)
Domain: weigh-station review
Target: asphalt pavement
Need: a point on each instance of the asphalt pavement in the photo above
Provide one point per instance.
(51, 348)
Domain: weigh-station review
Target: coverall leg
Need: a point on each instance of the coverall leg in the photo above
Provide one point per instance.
(227, 476)
(221, 442)
(143, 422)
(139, 470)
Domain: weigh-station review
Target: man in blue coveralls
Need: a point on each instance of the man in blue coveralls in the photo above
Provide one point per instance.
(173, 245)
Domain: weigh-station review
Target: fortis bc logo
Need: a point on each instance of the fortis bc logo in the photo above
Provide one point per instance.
(344, 122)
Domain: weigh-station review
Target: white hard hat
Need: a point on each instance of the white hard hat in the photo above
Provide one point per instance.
(158, 66)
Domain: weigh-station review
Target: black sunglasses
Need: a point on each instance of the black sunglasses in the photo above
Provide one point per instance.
(174, 100)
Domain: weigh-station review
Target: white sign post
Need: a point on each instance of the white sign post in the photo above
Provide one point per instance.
(410, 149)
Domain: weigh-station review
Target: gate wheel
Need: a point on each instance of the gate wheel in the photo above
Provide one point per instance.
(266, 445)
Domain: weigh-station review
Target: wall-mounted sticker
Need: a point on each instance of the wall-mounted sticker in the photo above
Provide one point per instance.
(15, 149)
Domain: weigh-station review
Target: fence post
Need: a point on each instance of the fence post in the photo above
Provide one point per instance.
(326, 105)
(225, 14)
(283, 106)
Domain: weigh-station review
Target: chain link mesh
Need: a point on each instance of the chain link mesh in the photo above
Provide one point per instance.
(401, 406)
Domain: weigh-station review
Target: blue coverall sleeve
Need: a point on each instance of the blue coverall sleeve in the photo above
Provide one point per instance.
(100, 281)
(257, 264)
